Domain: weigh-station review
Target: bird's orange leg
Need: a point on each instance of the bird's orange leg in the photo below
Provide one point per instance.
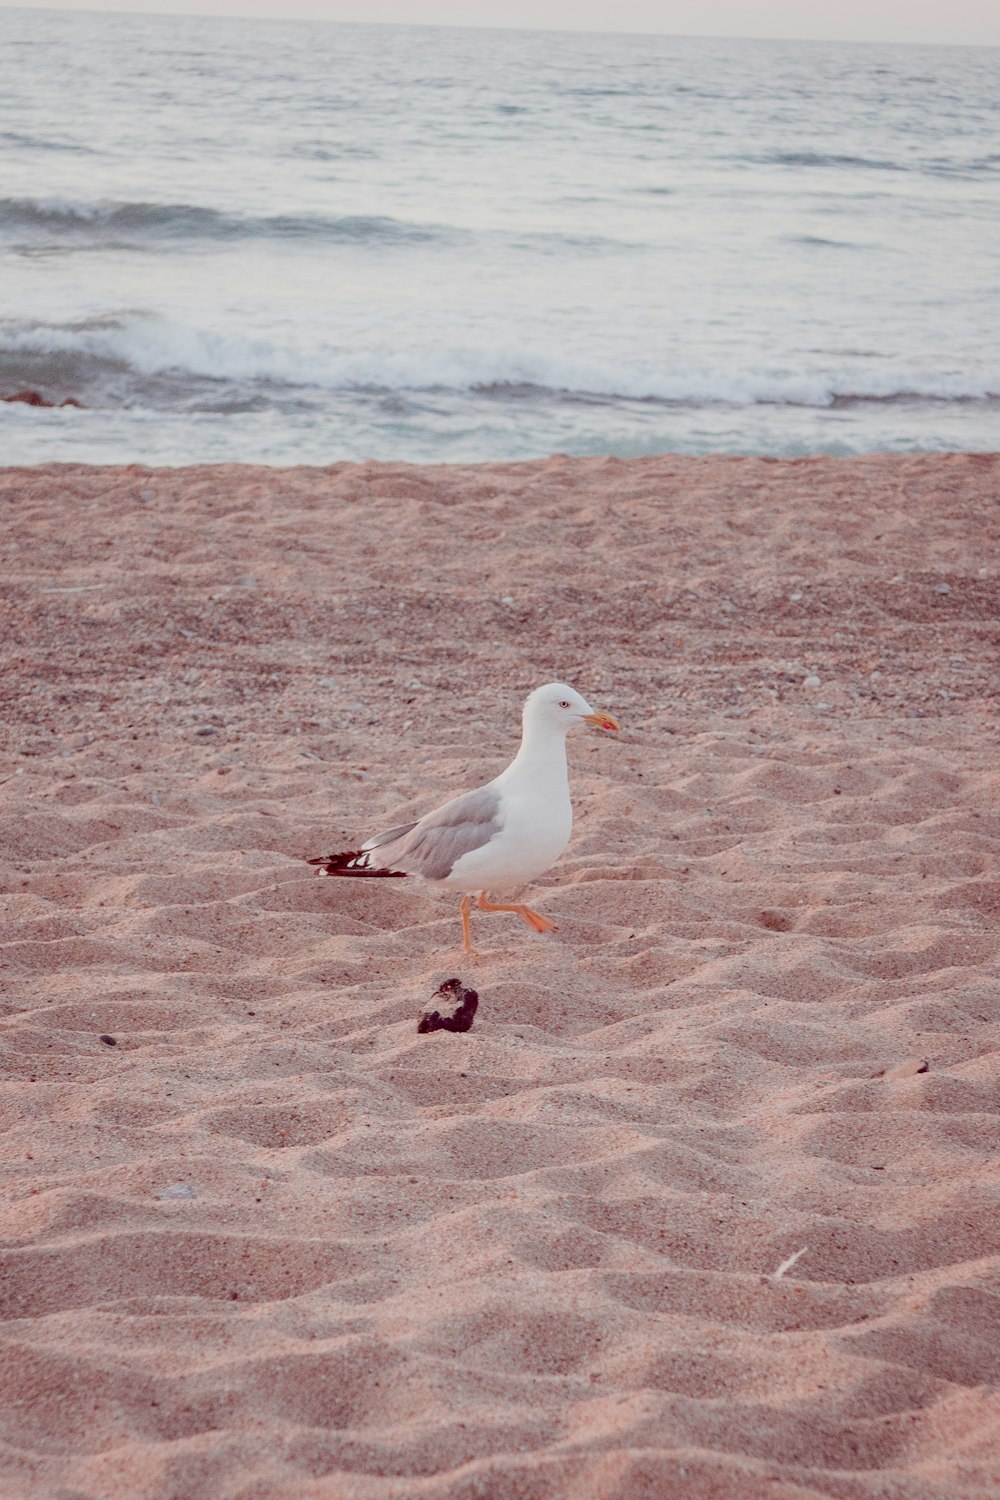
(534, 919)
(467, 926)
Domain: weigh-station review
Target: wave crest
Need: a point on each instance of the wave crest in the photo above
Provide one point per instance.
(134, 357)
(114, 222)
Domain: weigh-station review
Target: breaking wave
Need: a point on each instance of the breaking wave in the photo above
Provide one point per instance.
(134, 358)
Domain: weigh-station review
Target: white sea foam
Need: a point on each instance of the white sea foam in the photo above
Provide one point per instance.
(147, 345)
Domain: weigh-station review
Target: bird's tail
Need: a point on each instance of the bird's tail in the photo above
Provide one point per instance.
(354, 862)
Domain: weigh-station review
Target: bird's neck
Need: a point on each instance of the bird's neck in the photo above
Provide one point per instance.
(543, 756)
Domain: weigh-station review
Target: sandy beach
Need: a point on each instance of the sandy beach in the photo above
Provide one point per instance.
(706, 1204)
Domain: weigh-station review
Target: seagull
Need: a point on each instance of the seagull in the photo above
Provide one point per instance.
(500, 836)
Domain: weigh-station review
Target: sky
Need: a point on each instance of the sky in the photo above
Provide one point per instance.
(966, 22)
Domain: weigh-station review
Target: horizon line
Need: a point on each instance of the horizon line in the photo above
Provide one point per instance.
(284, 20)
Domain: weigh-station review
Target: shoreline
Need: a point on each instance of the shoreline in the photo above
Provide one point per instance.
(704, 1202)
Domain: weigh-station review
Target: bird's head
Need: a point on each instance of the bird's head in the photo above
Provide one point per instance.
(557, 706)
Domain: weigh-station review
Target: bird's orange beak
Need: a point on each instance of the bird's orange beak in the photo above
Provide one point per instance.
(601, 721)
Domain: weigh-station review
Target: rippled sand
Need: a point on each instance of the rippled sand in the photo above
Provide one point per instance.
(260, 1238)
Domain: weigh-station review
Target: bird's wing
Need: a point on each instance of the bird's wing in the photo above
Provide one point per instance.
(390, 835)
(434, 845)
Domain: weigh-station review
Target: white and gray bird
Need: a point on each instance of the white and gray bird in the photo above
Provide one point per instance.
(500, 836)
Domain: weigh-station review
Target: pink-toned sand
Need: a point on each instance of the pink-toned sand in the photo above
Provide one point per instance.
(275, 1245)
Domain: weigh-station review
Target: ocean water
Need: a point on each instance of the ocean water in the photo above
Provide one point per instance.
(289, 242)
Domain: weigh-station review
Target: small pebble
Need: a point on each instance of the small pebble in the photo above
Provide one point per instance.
(812, 681)
(177, 1190)
(907, 1070)
(205, 729)
(942, 588)
(109, 1041)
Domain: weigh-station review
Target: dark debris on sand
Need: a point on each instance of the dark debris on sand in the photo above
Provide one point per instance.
(451, 992)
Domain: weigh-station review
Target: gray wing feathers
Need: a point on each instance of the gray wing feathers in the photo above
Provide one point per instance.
(389, 836)
(433, 846)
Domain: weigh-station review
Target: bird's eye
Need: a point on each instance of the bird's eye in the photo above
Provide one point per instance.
(564, 703)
